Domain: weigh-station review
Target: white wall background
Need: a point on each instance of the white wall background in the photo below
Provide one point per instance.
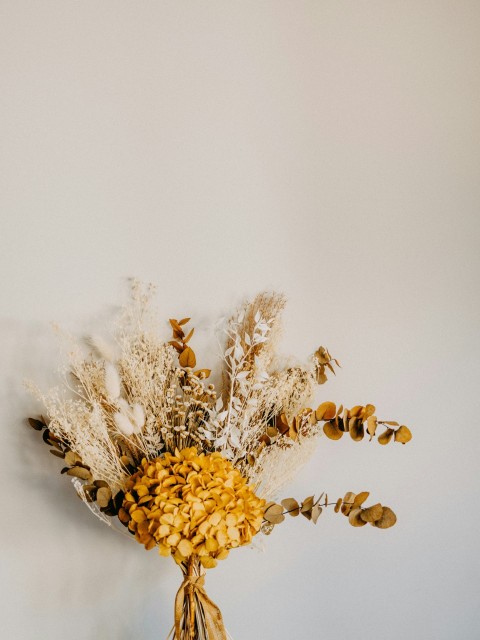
(326, 149)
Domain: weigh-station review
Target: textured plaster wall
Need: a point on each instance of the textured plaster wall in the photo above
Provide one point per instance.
(326, 149)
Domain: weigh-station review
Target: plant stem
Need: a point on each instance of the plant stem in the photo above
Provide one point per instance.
(191, 598)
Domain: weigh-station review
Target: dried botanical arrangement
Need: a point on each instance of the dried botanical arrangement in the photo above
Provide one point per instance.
(193, 469)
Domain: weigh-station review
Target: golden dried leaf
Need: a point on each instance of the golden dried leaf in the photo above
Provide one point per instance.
(205, 372)
(292, 506)
(185, 340)
(150, 544)
(356, 429)
(187, 358)
(177, 329)
(368, 411)
(387, 520)
(347, 502)
(371, 425)
(57, 453)
(272, 432)
(103, 496)
(390, 423)
(36, 424)
(386, 436)
(325, 411)
(338, 504)
(274, 514)
(331, 368)
(322, 355)
(123, 516)
(185, 547)
(316, 512)
(307, 506)
(403, 435)
(208, 562)
(355, 519)
(321, 377)
(176, 345)
(360, 499)
(355, 411)
(372, 514)
(332, 430)
(294, 428)
(138, 515)
(281, 423)
(72, 458)
(183, 321)
(80, 472)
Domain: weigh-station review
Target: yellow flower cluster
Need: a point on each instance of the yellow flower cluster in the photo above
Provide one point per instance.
(191, 503)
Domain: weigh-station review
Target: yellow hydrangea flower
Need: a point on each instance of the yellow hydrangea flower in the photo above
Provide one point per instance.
(191, 503)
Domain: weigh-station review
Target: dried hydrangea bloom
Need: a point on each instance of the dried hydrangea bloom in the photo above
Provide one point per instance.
(191, 503)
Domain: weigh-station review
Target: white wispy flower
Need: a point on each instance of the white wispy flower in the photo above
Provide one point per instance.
(112, 381)
(138, 415)
(123, 423)
(103, 348)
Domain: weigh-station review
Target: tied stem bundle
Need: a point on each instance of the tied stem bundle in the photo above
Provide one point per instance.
(195, 612)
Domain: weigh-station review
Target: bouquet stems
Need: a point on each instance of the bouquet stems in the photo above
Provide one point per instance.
(190, 617)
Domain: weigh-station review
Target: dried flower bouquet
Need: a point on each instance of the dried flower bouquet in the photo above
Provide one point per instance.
(189, 469)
